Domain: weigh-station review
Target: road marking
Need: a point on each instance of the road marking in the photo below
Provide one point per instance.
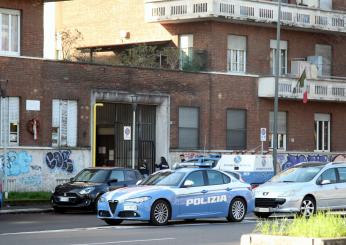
(245, 221)
(129, 241)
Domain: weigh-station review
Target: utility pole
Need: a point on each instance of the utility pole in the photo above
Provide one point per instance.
(4, 138)
(276, 99)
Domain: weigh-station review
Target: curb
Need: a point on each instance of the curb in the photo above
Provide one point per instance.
(26, 210)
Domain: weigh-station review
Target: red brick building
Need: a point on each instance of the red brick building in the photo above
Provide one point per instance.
(48, 105)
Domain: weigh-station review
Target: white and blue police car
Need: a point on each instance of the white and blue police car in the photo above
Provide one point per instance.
(181, 194)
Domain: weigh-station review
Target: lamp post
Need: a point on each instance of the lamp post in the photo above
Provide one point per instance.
(134, 107)
(3, 137)
(94, 134)
(276, 99)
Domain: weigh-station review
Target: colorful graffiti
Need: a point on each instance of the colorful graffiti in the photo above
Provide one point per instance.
(289, 160)
(60, 160)
(16, 163)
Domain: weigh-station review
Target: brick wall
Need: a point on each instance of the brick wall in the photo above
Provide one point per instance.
(213, 94)
(31, 25)
(339, 5)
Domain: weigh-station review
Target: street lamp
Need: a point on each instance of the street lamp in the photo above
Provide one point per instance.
(94, 134)
(134, 107)
(276, 99)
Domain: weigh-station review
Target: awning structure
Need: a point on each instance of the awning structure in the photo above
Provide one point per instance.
(122, 46)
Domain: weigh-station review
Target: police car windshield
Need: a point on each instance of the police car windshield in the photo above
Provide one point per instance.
(166, 178)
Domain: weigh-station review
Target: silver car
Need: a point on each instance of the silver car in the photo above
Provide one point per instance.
(303, 189)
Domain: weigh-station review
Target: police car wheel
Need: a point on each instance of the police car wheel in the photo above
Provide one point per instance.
(237, 210)
(160, 213)
(113, 221)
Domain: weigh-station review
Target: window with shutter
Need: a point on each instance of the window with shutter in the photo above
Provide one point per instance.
(282, 129)
(64, 123)
(9, 121)
(188, 127)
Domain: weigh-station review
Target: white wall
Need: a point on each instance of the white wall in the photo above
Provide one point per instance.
(49, 30)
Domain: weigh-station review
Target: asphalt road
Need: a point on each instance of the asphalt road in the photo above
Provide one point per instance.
(86, 229)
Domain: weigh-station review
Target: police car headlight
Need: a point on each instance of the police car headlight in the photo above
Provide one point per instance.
(86, 190)
(138, 199)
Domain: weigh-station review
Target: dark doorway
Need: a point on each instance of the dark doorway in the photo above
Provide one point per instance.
(112, 149)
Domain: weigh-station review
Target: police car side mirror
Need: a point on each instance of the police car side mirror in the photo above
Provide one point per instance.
(325, 182)
(188, 183)
(71, 179)
(112, 181)
(138, 182)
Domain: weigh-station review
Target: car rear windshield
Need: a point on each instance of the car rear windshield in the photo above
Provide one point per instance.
(298, 174)
(92, 175)
(166, 178)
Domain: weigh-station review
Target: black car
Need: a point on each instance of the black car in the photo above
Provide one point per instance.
(83, 191)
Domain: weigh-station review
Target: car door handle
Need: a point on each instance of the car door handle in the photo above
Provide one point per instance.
(228, 189)
(204, 191)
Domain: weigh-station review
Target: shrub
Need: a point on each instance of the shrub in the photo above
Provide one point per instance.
(321, 225)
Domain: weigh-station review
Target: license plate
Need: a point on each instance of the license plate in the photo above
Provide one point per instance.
(130, 207)
(64, 199)
(264, 210)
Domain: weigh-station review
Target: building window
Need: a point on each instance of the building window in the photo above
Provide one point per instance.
(9, 121)
(188, 127)
(236, 54)
(186, 50)
(283, 56)
(322, 132)
(236, 129)
(326, 52)
(9, 32)
(64, 123)
(282, 130)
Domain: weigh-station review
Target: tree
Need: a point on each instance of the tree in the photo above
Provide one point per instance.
(141, 56)
(69, 40)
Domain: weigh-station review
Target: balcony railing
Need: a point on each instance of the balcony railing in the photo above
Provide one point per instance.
(244, 10)
(320, 90)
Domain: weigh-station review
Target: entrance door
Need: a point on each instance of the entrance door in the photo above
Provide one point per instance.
(119, 150)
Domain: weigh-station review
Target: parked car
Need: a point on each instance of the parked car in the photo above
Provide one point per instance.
(303, 189)
(84, 190)
(252, 169)
(181, 194)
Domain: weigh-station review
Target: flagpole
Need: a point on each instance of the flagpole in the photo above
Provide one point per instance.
(276, 99)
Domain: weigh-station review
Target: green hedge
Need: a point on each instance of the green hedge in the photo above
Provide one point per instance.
(28, 196)
(321, 225)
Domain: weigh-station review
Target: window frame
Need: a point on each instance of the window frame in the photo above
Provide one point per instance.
(185, 53)
(237, 64)
(323, 118)
(282, 137)
(283, 68)
(11, 13)
(6, 120)
(228, 131)
(198, 127)
(58, 133)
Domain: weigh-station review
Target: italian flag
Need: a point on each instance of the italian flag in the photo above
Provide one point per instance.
(302, 84)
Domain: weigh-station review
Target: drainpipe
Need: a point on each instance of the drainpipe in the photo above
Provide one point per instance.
(94, 134)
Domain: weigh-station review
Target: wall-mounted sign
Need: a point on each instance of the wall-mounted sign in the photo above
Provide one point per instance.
(127, 132)
(263, 134)
(32, 105)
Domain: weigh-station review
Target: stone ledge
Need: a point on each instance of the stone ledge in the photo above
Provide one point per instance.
(258, 239)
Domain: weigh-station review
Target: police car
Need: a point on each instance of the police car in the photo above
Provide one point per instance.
(181, 194)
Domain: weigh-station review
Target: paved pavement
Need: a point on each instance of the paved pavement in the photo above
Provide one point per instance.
(8, 209)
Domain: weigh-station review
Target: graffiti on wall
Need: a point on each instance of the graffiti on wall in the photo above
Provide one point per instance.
(60, 160)
(289, 160)
(16, 163)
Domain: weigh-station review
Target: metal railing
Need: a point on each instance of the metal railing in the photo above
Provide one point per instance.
(254, 10)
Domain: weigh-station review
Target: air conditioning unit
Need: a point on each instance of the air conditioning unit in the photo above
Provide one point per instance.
(309, 3)
(322, 4)
(318, 62)
(298, 67)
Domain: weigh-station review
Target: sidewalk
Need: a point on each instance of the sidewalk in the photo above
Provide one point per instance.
(30, 208)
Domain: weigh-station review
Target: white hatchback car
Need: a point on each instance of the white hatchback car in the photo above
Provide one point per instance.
(304, 188)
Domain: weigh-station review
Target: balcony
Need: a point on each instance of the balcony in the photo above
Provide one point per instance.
(175, 11)
(318, 90)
